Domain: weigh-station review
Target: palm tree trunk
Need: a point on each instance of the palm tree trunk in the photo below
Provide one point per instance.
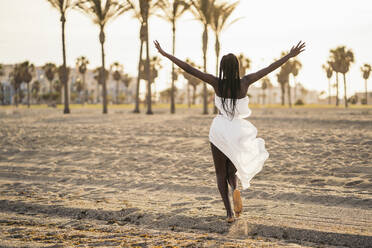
(103, 72)
(345, 97)
(193, 95)
(282, 86)
(217, 48)
(289, 95)
(173, 107)
(28, 95)
(85, 90)
(205, 47)
(366, 92)
(64, 77)
(16, 97)
(149, 109)
(188, 95)
(329, 91)
(117, 92)
(337, 101)
(136, 108)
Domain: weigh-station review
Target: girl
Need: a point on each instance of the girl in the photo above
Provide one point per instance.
(236, 150)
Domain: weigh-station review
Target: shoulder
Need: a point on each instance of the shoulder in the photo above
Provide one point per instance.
(249, 79)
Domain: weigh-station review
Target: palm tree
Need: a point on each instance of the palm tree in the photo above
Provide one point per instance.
(155, 67)
(63, 6)
(296, 66)
(172, 11)
(142, 11)
(1, 85)
(329, 72)
(82, 63)
(191, 80)
(101, 12)
(99, 78)
(343, 59)
(244, 64)
(202, 10)
(220, 15)
(283, 79)
(63, 74)
(50, 70)
(16, 81)
(126, 80)
(266, 84)
(28, 71)
(117, 71)
(35, 89)
(79, 87)
(366, 70)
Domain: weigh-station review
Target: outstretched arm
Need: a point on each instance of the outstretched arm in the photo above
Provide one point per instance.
(208, 78)
(295, 50)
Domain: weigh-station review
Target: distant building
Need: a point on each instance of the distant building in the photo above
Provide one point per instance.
(360, 96)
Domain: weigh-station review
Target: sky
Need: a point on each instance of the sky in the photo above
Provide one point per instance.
(31, 30)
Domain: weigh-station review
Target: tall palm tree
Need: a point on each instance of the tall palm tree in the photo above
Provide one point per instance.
(50, 70)
(171, 12)
(143, 9)
(220, 15)
(202, 10)
(366, 70)
(329, 72)
(63, 6)
(101, 12)
(82, 63)
(117, 71)
(283, 79)
(343, 58)
(28, 71)
(244, 64)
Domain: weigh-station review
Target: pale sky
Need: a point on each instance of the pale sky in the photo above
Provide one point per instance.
(31, 30)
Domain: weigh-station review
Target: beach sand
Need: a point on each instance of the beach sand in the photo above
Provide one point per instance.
(133, 180)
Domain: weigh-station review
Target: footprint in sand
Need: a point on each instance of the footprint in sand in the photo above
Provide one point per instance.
(349, 184)
(180, 210)
(203, 198)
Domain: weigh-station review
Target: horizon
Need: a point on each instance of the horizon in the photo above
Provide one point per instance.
(350, 27)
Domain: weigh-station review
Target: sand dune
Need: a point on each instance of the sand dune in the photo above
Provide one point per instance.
(138, 180)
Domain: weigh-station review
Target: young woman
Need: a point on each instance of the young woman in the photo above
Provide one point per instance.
(236, 150)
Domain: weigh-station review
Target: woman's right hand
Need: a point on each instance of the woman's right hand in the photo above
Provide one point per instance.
(160, 50)
(296, 50)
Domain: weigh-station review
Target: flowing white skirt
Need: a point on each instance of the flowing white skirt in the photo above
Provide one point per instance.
(237, 140)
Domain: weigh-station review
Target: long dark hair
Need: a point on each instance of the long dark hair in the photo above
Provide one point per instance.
(229, 83)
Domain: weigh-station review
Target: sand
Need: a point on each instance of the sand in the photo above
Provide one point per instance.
(133, 180)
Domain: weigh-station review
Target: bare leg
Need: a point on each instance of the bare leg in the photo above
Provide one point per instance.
(232, 179)
(220, 164)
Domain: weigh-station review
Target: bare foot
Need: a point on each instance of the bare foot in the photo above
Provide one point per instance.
(230, 219)
(238, 205)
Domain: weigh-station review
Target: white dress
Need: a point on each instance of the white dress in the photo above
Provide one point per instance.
(236, 138)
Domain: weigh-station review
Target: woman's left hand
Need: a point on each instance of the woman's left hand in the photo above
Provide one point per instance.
(296, 50)
(160, 50)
